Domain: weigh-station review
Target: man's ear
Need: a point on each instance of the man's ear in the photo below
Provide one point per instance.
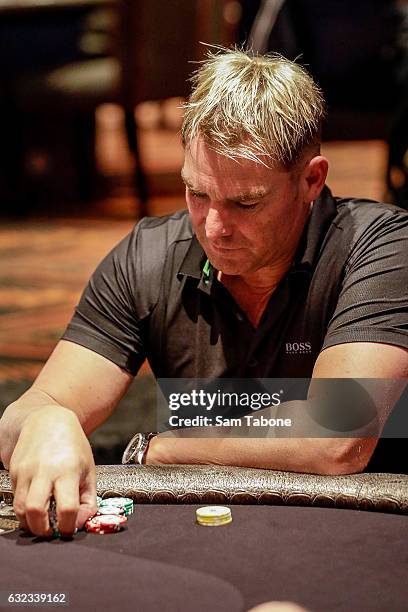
(314, 177)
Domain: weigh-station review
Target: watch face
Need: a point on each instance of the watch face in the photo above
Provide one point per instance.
(132, 449)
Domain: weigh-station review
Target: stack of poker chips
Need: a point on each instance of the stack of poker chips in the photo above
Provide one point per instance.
(213, 516)
(8, 519)
(124, 503)
(6, 510)
(105, 523)
(111, 515)
(52, 517)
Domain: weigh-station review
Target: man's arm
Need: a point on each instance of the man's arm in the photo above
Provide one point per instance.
(311, 455)
(43, 441)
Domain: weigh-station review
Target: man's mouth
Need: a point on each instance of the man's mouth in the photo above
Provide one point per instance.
(224, 249)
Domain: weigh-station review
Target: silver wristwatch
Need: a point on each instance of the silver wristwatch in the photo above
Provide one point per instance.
(137, 448)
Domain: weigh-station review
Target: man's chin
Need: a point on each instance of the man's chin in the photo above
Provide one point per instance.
(225, 265)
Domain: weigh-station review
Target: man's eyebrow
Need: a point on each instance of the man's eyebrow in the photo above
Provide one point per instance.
(254, 194)
(191, 186)
(187, 182)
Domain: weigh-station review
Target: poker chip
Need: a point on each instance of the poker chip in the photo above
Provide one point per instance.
(123, 502)
(118, 510)
(53, 520)
(8, 524)
(213, 516)
(7, 511)
(102, 524)
(98, 500)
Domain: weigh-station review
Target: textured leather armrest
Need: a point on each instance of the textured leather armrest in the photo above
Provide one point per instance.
(197, 484)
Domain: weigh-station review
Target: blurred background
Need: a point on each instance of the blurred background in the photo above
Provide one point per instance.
(90, 97)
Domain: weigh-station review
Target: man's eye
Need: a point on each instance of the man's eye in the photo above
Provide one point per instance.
(247, 206)
(197, 195)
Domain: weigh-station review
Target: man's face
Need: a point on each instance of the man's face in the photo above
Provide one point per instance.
(247, 217)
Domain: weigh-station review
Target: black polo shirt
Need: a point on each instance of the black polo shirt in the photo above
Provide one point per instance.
(150, 297)
(153, 296)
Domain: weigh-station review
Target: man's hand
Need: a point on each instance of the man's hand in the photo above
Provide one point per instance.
(43, 441)
(52, 457)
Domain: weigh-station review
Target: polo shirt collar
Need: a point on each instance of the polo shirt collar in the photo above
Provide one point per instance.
(194, 260)
(323, 212)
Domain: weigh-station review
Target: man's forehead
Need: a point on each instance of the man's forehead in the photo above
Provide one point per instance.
(201, 160)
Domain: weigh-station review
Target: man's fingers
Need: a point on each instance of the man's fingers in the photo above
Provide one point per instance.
(21, 486)
(74, 506)
(37, 504)
(88, 505)
(66, 494)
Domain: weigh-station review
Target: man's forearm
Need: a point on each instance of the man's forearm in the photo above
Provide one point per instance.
(308, 455)
(306, 446)
(31, 401)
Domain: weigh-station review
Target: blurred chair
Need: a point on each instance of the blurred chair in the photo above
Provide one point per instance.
(132, 52)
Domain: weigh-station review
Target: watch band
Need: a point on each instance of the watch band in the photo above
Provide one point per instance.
(137, 448)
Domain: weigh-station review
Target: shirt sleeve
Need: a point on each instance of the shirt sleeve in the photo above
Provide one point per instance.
(373, 301)
(108, 319)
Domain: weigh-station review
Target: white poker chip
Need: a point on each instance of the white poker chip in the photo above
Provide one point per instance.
(213, 515)
(110, 510)
(121, 502)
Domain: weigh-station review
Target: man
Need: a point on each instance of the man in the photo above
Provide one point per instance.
(265, 261)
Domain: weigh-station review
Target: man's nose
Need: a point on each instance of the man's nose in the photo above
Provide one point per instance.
(216, 224)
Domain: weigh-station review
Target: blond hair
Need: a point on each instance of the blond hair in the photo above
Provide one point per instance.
(251, 106)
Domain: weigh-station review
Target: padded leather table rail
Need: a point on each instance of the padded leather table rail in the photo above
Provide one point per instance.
(197, 484)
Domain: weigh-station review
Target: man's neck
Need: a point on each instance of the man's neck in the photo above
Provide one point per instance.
(252, 291)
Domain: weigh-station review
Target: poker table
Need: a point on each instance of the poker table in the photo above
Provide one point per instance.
(327, 543)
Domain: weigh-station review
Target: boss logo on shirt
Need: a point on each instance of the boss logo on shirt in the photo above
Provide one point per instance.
(298, 348)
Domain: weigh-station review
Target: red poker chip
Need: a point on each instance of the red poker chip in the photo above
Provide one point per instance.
(105, 523)
(100, 530)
